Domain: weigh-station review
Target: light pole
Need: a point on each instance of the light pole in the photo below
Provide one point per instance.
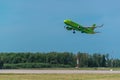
(77, 60)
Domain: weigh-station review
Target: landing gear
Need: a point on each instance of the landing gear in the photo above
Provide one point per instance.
(73, 31)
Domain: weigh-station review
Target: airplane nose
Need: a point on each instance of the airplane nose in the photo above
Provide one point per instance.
(65, 21)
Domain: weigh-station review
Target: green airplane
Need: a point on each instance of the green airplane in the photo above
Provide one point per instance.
(70, 25)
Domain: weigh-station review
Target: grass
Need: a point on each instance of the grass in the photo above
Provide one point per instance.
(59, 76)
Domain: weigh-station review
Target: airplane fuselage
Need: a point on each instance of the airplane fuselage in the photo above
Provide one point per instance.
(78, 27)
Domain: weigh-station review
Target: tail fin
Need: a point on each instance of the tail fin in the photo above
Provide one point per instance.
(93, 26)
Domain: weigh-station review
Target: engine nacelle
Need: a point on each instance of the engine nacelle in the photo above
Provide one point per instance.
(69, 28)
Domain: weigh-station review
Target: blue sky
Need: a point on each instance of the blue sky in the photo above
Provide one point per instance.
(37, 26)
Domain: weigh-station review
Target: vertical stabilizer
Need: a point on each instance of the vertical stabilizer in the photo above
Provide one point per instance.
(93, 26)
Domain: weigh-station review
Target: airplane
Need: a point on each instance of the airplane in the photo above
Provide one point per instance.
(70, 25)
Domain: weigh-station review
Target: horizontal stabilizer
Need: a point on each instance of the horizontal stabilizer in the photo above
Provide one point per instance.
(100, 25)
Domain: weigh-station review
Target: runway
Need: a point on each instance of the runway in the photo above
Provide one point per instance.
(17, 71)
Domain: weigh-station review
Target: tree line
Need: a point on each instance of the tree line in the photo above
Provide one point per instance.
(55, 59)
